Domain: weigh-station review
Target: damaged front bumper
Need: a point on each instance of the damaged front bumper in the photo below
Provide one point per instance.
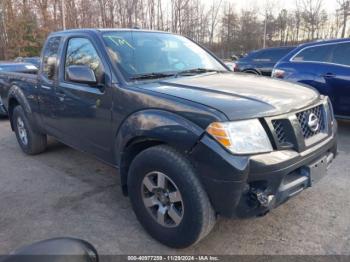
(246, 186)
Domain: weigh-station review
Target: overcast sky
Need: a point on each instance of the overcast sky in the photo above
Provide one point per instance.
(329, 5)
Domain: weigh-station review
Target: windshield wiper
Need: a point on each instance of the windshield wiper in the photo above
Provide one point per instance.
(151, 76)
(156, 75)
(195, 71)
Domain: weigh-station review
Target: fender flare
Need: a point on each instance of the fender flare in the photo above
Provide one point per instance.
(152, 127)
(15, 93)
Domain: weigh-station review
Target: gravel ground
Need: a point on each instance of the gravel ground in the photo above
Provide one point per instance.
(67, 193)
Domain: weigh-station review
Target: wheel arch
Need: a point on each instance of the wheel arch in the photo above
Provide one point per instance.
(15, 98)
(148, 128)
(251, 71)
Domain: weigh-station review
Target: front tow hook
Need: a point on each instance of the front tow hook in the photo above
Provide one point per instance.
(264, 198)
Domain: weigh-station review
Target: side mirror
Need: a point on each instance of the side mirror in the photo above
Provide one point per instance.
(81, 74)
(56, 249)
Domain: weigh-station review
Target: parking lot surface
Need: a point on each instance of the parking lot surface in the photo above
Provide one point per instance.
(63, 192)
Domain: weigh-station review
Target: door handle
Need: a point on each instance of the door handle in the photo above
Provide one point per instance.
(61, 95)
(328, 75)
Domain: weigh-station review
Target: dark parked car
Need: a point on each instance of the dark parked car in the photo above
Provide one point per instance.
(13, 67)
(32, 60)
(323, 65)
(261, 62)
(191, 140)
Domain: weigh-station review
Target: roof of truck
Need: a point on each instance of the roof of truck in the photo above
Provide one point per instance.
(99, 30)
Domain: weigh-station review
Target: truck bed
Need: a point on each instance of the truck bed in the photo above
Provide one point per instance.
(8, 79)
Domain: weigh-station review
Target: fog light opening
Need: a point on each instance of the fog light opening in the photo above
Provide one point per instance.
(264, 198)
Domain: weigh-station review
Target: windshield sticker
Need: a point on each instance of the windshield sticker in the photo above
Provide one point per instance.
(119, 41)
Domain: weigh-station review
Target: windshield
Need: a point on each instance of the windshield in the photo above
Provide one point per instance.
(141, 53)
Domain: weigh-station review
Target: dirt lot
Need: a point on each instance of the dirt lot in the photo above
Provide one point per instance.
(67, 193)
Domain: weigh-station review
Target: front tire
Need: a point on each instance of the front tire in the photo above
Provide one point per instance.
(31, 143)
(168, 199)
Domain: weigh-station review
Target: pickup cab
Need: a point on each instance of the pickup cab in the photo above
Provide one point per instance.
(190, 139)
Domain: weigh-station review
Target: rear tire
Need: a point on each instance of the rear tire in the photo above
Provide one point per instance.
(31, 143)
(181, 214)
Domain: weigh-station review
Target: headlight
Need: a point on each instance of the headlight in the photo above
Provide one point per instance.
(241, 137)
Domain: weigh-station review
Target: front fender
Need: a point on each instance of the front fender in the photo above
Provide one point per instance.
(157, 125)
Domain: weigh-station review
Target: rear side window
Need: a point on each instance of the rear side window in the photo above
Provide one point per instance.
(320, 53)
(341, 54)
(50, 57)
(80, 51)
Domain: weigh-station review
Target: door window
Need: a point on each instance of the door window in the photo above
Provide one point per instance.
(50, 57)
(320, 53)
(80, 51)
(341, 54)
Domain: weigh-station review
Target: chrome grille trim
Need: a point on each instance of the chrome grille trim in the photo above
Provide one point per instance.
(303, 121)
(288, 131)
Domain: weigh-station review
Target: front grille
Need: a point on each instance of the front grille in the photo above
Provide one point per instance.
(279, 130)
(303, 118)
(295, 130)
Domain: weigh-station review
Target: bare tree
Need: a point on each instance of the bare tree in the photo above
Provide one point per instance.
(312, 11)
(344, 10)
(24, 24)
(214, 11)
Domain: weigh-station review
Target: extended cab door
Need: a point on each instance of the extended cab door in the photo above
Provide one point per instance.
(85, 110)
(48, 101)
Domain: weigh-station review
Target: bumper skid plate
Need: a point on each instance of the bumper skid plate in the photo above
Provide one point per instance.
(305, 177)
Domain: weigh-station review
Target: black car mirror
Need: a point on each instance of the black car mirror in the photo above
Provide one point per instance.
(81, 74)
(56, 249)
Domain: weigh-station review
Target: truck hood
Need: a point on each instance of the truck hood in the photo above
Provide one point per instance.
(239, 96)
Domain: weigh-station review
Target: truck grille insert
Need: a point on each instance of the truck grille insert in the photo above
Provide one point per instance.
(311, 123)
(279, 130)
(303, 118)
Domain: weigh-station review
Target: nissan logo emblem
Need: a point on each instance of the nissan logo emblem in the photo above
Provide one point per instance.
(313, 122)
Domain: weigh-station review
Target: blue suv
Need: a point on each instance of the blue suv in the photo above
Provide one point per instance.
(324, 65)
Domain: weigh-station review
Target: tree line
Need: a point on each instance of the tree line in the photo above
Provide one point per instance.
(217, 24)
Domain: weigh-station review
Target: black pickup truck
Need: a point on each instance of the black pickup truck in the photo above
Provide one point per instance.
(191, 140)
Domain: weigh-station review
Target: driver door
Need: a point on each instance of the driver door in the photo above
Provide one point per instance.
(84, 114)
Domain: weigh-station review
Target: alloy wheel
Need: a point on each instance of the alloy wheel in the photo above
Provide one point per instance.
(22, 132)
(162, 199)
